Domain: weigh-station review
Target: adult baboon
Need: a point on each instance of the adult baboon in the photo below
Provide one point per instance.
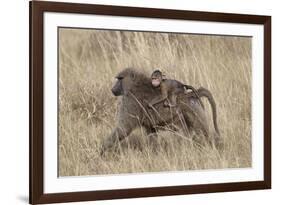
(135, 89)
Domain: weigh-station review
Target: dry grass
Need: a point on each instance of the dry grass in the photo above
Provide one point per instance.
(88, 62)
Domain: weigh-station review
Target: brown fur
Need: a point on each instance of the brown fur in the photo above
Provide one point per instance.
(135, 90)
(170, 89)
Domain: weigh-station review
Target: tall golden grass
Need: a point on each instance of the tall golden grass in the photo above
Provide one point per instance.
(88, 62)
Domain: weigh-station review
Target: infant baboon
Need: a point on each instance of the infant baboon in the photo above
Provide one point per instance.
(169, 90)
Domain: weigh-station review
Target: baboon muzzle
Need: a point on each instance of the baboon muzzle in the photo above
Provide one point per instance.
(116, 91)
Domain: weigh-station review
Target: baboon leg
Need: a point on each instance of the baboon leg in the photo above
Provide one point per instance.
(172, 97)
(201, 128)
(200, 125)
(211, 138)
(217, 141)
(172, 100)
(151, 132)
(118, 134)
(195, 119)
(183, 121)
(152, 138)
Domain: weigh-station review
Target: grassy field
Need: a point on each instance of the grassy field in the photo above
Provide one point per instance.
(88, 62)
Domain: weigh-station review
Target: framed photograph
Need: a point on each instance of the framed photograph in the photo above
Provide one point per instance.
(139, 102)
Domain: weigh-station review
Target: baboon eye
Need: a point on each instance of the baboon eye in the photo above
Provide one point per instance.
(119, 78)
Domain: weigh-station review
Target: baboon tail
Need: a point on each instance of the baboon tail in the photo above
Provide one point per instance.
(203, 92)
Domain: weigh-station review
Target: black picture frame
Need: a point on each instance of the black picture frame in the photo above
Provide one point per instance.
(37, 9)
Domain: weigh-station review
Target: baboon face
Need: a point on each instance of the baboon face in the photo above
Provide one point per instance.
(156, 78)
(117, 89)
(123, 83)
